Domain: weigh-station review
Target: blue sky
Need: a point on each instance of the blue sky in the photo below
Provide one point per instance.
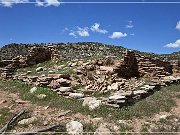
(145, 27)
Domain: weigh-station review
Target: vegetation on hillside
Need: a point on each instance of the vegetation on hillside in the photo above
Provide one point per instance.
(79, 50)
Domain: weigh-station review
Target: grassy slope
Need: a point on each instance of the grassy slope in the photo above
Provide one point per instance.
(158, 102)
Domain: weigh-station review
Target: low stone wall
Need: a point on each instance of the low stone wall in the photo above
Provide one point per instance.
(124, 98)
(5, 63)
(62, 85)
(7, 73)
(57, 82)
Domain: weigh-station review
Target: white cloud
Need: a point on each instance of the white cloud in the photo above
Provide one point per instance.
(46, 3)
(39, 3)
(174, 45)
(95, 28)
(117, 35)
(73, 34)
(178, 25)
(9, 3)
(130, 24)
(83, 32)
(132, 34)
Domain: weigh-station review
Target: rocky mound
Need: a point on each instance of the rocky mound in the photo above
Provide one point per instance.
(78, 50)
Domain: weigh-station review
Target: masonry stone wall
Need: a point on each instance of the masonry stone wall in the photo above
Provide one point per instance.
(134, 65)
(175, 67)
(36, 55)
(128, 67)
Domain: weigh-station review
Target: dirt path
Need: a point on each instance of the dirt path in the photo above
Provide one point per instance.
(45, 115)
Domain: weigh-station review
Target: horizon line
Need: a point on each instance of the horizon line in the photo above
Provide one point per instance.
(78, 2)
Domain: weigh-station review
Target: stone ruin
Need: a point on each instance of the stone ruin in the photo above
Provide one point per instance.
(175, 67)
(128, 67)
(135, 65)
(132, 65)
(100, 75)
(36, 55)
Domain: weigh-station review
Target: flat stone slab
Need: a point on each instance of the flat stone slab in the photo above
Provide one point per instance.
(139, 92)
(91, 102)
(147, 87)
(116, 97)
(76, 95)
(125, 93)
(64, 89)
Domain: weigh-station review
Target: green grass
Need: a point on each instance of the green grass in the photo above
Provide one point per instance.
(98, 94)
(159, 101)
(89, 127)
(49, 64)
(4, 116)
(51, 99)
(178, 95)
(124, 128)
(145, 127)
(46, 64)
(77, 86)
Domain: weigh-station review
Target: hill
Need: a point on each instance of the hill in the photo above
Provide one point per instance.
(172, 56)
(79, 50)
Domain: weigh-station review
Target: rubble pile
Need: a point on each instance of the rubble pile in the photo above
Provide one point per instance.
(123, 92)
(123, 98)
(84, 50)
(99, 75)
(57, 82)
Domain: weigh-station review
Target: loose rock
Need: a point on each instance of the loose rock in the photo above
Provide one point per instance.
(92, 102)
(27, 121)
(102, 130)
(76, 95)
(74, 128)
(39, 69)
(34, 89)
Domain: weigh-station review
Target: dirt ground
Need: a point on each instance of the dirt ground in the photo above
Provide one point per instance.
(47, 116)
